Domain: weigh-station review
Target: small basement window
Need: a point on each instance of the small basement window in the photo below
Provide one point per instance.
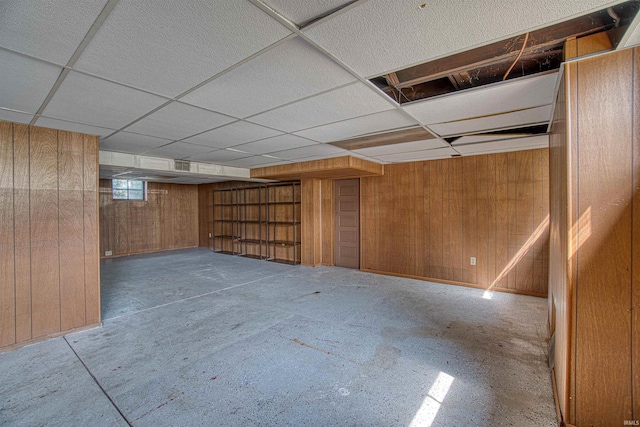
(125, 189)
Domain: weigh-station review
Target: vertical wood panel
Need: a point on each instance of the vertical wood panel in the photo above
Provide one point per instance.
(436, 228)
(492, 270)
(45, 272)
(22, 231)
(635, 337)
(470, 218)
(524, 220)
(482, 221)
(7, 260)
(71, 227)
(455, 220)
(327, 221)
(502, 221)
(49, 249)
(91, 230)
(311, 201)
(603, 354)
(425, 220)
(512, 236)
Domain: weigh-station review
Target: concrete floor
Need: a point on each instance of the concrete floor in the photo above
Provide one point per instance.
(192, 337)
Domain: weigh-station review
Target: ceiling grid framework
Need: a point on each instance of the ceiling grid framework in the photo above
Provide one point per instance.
(253, 83)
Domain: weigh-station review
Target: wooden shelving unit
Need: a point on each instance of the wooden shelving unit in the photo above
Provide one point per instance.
(225, 221)
(260, 222)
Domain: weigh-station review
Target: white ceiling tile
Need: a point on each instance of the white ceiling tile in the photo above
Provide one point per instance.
(286, 73)
(414, 156)
(178, 150)
(381, 35)
(25, 82)
(300, 12)
(257, 161)
(132, 143)
(634, 38)
(473, 139)
(540, 141)
(387, 120)
(340, 104)
(235, 133)
(93, 101)
(501, 97)
(218, 156)
(73, 127)
(499, 121)
(318, 150)
(177, 121)
(50, 30)
(14, 116)
(404, 147)
(278, 143)
(167, 46)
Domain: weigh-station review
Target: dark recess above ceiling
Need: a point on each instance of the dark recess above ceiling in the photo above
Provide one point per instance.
(491, 63)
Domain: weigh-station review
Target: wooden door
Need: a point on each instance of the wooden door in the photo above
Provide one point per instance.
(347, 223)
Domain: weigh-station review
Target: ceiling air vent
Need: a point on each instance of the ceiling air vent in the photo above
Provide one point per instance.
(182, 165)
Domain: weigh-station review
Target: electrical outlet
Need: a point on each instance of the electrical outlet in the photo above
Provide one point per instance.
(473, 260)
(209, 235)
(108, 253)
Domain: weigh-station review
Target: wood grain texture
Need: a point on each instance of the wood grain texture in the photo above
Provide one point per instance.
(7, 260)
(338, 167)
(594, 219)
(327, 221)
(91, 230)
(470, 205)
(53, 241)
(635, 244)
(311, 239)
(71, 228)
(460, 209)
(22, 231)
(168, 219)
(45, 266)
(604, 168)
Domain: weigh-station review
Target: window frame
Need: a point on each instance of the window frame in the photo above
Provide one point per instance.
(128, 190)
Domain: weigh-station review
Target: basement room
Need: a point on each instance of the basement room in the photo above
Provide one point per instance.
(338, 212)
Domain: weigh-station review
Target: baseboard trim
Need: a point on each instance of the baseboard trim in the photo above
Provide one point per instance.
(151, 252)
(451, 282)
(18, 345)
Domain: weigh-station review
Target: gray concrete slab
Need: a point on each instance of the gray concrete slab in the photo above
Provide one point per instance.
(46, 384)
(197, 338)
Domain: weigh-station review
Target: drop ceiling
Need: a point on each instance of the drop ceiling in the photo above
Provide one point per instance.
(255, 83)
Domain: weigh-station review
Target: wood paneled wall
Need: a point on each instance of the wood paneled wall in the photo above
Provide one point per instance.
(595, 279)
(49, 260)
(427, 219)
(168, 219)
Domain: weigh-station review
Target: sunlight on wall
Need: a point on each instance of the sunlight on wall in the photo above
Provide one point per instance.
(431, 404)
(539, 231)
(580, 232)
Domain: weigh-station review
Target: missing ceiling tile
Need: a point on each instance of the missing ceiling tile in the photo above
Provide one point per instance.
(526, 54)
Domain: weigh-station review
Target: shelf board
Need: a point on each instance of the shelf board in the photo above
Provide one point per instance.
(283, 203)
(252, 256)
(252, 204)
(283, 243)
(257, 241)
(284, 222)
(224, 252)
(282, 261)
(225, 204)
(225, 236)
